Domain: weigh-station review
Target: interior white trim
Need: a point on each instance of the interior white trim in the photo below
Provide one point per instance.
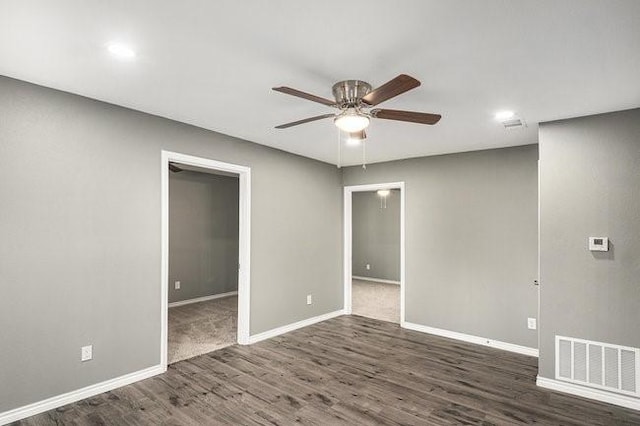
(202, 299)
(539, 278)
(591, 393)
(523, 350)
(76, 395)
(244, 255)
(294, 326)
(375, 280)
(348, 244)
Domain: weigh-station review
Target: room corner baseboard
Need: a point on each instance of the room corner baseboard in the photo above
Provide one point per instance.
(375, 280)
(76, 395)
(202, 299)
(595, 394)
(523, 350)
(294, 326)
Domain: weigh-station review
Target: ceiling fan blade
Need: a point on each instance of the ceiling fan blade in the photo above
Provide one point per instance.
(397, 86)
(306, 120)
(303, 95)
(413, 117)
(174, 168)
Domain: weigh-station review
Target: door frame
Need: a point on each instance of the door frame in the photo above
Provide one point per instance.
(244, 243)
(348, 243)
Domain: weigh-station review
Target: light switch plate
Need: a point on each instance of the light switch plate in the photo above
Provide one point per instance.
(532, 323)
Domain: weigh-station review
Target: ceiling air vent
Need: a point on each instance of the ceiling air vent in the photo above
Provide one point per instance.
(514, 123)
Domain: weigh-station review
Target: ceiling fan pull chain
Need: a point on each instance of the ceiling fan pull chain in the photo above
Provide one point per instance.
(339, 150)
(364, 155)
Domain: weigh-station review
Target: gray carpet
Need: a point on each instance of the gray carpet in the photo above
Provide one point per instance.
(376, 300)
(202, 327)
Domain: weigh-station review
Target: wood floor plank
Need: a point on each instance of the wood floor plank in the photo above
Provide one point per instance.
(346, 371)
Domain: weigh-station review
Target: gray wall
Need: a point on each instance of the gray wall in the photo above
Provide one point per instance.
(471, 239)
(203, 234)
(376, 235)
(589, 186)
(80, 246)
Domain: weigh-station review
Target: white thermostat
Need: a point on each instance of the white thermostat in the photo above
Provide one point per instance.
(598, 243)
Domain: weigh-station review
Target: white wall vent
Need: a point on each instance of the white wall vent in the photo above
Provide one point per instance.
(514, 123)
(599, 365)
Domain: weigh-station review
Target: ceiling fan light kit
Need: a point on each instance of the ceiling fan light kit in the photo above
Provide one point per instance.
(174, 168)
(351, 120)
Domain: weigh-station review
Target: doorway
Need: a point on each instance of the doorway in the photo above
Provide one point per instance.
(374, 264)
(195, 312)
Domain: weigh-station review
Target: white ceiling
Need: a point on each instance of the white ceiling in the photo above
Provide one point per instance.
(212, 63)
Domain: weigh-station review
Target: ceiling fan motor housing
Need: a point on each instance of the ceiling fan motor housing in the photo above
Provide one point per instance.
(349, 93)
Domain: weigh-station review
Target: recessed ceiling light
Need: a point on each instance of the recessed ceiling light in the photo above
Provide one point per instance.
(383, 192)
(504, 115)
(121, 50)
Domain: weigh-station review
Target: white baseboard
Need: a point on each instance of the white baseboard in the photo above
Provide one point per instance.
(596, 394)
(375, 280)
(202, 299)
(294, 326)
(524, 350)
(76, 395)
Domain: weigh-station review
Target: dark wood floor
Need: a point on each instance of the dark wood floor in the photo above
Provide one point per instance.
(345, 371)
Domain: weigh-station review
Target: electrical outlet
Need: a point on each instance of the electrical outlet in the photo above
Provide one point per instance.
(176, 285)
(309, 299)
(86, 353)
(531, 323)
(368, 266)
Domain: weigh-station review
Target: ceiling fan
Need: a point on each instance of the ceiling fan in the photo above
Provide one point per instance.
(354, 99)
(174, 167)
